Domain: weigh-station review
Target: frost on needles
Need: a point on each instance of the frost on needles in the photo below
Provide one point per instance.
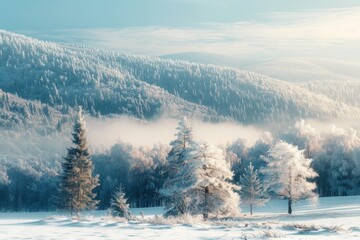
(118, 204)
(199, 178)
(174, 201)
(77, 183)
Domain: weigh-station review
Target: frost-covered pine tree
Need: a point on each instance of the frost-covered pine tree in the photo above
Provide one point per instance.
(175, 203)
(288, 173)
(204, 181)
(118, 204)
(184, 138)
(252, 189)
(77, 183)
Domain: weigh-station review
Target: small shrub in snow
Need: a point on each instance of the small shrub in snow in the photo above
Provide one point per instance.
(119, 207)
(171, 220)
(314, 227)
(269, 234)
(110, 218)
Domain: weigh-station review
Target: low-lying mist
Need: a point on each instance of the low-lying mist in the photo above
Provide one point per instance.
(103, 133)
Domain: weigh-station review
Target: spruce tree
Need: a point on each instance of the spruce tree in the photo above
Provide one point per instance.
(118, 204)
(288, 174)
(252, 189)
(77, 183)
(175, 203)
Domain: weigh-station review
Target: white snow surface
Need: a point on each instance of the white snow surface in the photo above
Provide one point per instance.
(332, 218)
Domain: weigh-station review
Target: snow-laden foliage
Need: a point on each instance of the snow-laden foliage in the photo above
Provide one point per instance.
(175, 201)
(205, 182)
(339, 160)
(184, 138)
(288, 174)
(335, 156)
(304, 136)
(252, 189)
(118, 204)
(77, 183)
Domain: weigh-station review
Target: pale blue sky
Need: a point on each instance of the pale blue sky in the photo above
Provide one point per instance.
(40, 15)
(245, 28)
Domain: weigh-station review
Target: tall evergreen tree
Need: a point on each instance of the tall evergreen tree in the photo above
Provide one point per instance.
(77, 183)
(252, 189)
(118, 204)
(288, 173)
(175, 202)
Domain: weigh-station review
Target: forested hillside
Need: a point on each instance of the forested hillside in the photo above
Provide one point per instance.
(64, 77)
(30, 116)
(109, 83)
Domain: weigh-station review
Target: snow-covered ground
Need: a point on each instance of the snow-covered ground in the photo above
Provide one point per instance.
(333, 218)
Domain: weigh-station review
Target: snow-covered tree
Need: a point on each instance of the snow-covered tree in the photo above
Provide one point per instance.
(204, 181)
(175, 203)
(304, 136)
(184, 138)
(118, 203)
(77, 183)
(252, 189)
(288, 173)
(337, 162)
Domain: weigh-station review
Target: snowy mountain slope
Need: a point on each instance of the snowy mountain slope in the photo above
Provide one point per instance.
(245, 96)
(335, 79)
(65, 77)
(338, 80)
(110, 83)
(289, 69)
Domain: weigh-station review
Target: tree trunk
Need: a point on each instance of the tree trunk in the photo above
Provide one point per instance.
(16, 198)
(71, 209)
(251, 208)
(289, 206)
(78, 199)
(205, 214)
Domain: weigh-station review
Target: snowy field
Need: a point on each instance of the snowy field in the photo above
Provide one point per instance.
(333, 218)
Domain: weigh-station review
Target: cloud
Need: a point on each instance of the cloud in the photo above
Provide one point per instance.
(104, 133)
(332, 33)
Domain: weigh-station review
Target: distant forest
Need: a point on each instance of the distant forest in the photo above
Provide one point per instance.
(142, 170)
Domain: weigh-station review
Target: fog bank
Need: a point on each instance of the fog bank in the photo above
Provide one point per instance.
(103, 133)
